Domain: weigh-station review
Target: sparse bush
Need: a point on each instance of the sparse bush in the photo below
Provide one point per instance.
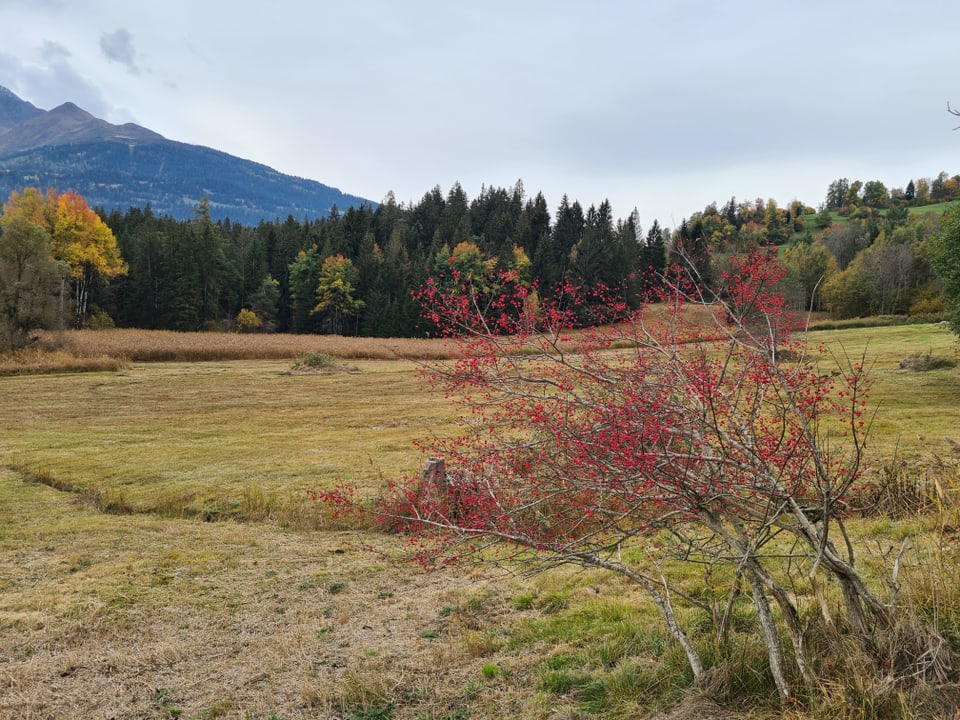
(316, 361)
(99, 320)
(927, 306)
(925, 362)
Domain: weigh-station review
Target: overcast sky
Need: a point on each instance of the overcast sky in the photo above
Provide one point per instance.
(663, 106)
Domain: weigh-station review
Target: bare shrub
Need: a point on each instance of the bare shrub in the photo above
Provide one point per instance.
(926, 362)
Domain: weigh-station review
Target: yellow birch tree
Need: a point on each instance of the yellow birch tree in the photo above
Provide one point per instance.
(79, 238)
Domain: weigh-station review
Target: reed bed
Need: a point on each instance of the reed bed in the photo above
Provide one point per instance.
(38, 361)
(170, 346)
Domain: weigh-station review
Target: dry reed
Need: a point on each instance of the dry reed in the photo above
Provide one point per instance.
(170, 346)
(36, 361)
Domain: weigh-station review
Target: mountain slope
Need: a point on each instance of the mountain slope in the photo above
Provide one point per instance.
(14, 111)
(66, 125)
(122, 166)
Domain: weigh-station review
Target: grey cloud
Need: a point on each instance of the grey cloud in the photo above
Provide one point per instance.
(55, 83)
(53, 52)
(118, 47)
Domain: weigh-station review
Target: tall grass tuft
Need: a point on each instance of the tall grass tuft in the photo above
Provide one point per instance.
(931, 582)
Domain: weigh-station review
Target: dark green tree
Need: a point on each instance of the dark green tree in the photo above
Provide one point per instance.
(945, 259)
(534, 225)
(731, 213)
(425, 223)
(494, 218)
(141, 239)
(264, 303)
(180, 299)
(567, 232)
(212, 270)
(304, 275)
(596, 258)
(454, 220)
(837, 194)
(389, 310)
(653, 256)
(690, 249)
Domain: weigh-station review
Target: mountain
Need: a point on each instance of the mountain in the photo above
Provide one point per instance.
(69, 125)
(123, 166)
(14, 111)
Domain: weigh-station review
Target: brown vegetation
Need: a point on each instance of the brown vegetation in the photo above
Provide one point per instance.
(36, 361)
(169, 346)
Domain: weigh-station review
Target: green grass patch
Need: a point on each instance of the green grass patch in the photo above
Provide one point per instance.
(607, 654)
(917, 415)
(935, 209)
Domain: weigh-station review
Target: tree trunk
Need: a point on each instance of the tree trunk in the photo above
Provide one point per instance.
(771, 637)
(662, 601)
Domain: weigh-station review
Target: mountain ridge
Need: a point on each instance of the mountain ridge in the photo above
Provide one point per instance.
(14, 111)
(68, 124)
(116, 167)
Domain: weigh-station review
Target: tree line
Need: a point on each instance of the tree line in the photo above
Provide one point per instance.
(865, 250)
(354, 272)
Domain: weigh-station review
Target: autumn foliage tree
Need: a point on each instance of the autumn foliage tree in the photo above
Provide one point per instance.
(78, 238)
(87, 246)
(699, 429)
(335, 293)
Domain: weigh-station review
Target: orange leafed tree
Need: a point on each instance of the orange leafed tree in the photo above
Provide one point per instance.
(79, 238)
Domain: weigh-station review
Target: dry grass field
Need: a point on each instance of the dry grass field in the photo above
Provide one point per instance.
(160, 556)
(918, 415)
(221, 438)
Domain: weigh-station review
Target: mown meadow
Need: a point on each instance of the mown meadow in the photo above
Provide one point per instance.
(161, 556)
